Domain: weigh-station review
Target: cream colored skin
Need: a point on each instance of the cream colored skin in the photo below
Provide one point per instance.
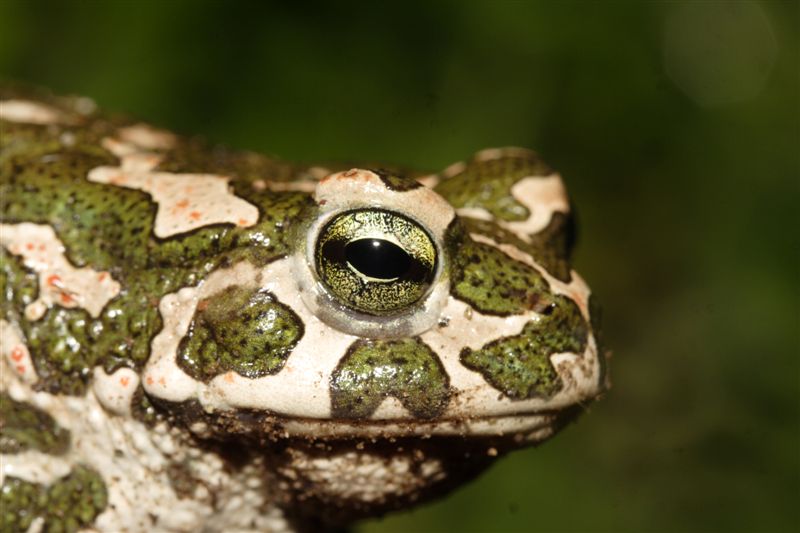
(137, 482)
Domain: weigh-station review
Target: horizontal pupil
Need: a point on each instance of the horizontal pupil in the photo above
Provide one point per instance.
(377, 258)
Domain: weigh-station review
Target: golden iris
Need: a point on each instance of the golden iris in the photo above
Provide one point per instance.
(375, 261)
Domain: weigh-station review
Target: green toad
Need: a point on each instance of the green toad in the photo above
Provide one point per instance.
(195, 338)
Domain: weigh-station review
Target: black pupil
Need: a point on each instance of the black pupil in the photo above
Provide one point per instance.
(377, 258)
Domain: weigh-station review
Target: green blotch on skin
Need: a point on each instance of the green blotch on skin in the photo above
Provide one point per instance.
(396, 182)
(519, 366)
(24, 427)
(487, 184)
(70, 504)
(491, 281)
(43, 179)
(244, 330)
(406, 369)
(60, 345)
(20, 503)
(551, 247)
(18, 286)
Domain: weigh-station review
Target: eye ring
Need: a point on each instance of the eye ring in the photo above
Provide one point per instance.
(375, 261)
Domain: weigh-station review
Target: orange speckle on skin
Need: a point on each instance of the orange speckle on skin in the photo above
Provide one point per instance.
(149, 380)
(66, 298)
(162, 381)
(124, 381)
(17, 353)
(242, 222)
(102, 276)
(29, 246)
(229, 377)
(182, 204)
(195, 215)
(54, 280)
(350, 173)
(20, 369)
(42, 247)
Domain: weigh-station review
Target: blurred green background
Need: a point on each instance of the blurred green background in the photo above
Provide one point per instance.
(677, 128)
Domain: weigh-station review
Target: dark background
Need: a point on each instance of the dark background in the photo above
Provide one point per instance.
(676, 126)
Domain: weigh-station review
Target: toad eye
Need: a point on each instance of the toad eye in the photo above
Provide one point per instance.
(375, 261)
